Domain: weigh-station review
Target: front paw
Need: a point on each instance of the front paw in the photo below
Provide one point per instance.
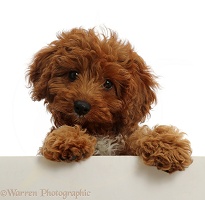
(165, 148)
(68, 144)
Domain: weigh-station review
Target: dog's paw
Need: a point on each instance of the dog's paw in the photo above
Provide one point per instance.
(68, 144)
(165, 148)
(165, 159)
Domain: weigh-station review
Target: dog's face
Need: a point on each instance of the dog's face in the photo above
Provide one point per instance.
(95, 81)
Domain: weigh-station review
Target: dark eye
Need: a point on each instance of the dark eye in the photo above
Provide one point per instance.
(108, 84)
(72, 75)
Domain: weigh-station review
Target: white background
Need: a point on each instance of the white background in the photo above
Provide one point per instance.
(169, 35)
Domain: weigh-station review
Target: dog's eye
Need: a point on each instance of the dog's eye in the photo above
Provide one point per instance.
(72, 75)
(108, 84)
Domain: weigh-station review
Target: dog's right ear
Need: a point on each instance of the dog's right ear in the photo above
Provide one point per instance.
(39, 72)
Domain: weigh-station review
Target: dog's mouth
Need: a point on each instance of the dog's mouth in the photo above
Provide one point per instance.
(79, 119)
(90, 118)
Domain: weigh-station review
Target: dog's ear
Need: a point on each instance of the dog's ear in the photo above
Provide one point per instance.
(141, 91)
(39, 72)
(147, 86)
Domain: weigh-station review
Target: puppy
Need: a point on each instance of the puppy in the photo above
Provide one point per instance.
(98, 90)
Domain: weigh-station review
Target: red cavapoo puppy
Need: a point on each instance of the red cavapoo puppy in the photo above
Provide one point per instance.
(98, 90)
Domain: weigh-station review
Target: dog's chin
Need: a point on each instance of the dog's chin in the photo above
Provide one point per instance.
(91, 122)
(86, 121)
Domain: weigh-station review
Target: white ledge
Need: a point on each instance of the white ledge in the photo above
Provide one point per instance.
(98, 178)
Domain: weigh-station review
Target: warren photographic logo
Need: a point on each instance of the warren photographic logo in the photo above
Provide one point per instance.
(58, 194)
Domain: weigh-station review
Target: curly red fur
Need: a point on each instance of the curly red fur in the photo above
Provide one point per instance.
(116, 85)
(68, 143)
(163, 147)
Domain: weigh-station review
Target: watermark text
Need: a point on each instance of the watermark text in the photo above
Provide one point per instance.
(45, 192)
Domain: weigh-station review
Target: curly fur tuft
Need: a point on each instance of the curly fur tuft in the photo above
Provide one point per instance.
(110, 146)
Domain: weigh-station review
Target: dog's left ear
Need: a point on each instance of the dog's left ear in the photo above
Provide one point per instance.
(141, 92)
(39, 72)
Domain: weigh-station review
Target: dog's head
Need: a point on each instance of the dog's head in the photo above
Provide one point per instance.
(96, 81)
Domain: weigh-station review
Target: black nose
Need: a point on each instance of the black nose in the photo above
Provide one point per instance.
(81, 107)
